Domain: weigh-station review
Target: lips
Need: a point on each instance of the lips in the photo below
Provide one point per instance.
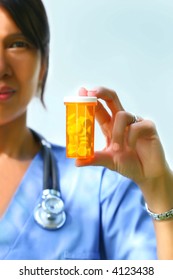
(6, 93)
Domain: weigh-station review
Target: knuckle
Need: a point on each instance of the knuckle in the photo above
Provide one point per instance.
(120, 115)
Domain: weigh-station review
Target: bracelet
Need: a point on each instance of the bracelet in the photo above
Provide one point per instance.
(160, 217)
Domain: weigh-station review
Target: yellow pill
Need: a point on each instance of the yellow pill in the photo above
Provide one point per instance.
(81, 120)
(83, 138)
(71, 129)
(89, 129)
(71, 149)
(84, 144)
(82, 151)
(79, 128)
(88, 122)
(71, 117)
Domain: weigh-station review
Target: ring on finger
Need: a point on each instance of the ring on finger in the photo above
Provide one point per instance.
(135, 119)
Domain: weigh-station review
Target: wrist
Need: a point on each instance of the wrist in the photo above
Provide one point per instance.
(158, 192)
(160, 216)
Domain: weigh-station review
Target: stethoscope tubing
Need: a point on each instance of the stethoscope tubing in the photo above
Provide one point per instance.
(49, 213)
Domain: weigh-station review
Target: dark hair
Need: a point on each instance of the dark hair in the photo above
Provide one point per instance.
(31, 18)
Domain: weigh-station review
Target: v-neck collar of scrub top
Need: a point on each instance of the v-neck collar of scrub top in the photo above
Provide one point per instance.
(20, 209)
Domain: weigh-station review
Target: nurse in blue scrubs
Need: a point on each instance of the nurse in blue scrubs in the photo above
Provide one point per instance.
(105, 210)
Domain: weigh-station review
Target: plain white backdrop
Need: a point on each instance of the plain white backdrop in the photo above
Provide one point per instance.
(126, 45)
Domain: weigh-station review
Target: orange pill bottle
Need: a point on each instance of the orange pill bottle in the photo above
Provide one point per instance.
(80, 123)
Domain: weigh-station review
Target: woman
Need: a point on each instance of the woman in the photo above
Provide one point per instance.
(99, 203)
(22, 70)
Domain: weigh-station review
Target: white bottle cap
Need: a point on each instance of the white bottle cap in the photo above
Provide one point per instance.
(80, 99)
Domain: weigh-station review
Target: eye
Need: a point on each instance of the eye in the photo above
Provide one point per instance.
(19, 44)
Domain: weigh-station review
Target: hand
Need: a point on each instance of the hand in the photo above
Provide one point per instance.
(132, 148)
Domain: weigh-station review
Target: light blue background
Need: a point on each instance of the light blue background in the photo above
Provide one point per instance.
(126, 45)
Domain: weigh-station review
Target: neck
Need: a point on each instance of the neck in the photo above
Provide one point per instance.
(16, 140)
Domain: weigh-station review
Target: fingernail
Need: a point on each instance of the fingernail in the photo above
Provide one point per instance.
(82, 91)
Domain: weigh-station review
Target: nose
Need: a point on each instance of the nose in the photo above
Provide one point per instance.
(5, 70)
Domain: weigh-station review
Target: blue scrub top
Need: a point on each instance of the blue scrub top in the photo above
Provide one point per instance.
(106, 217)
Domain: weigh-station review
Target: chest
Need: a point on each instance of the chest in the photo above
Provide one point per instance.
(77, 239)
(11, 174)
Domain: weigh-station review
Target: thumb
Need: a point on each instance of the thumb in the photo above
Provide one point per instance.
(82, 91)
(101, 158)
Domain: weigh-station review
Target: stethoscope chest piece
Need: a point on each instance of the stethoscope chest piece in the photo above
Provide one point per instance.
(50, 212)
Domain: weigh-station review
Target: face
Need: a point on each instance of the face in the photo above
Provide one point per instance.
(21, 70)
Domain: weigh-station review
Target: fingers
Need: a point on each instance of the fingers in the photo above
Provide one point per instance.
(129, 128)
(122, 121)
(101, 158)
(83, 91)
(111, 99)
(117, 124)
(144, 129)
(102, 115)
(109, 96)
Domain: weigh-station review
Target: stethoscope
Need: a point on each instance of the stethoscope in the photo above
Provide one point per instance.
(49, 213)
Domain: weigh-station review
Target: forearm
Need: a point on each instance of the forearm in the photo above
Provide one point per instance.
(164, 236)
(159, 198)
(158, 191)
